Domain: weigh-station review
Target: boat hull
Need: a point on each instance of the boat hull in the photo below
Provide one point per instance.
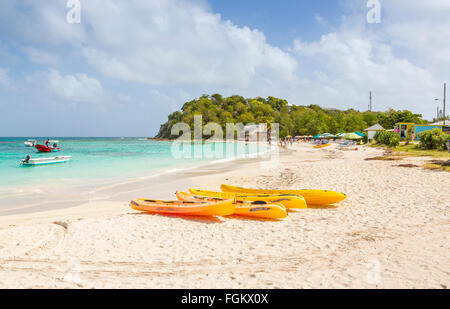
(221, 208)
(287, 200)
(312, 197)
(322, 146)
(45, 161)
(259, 209)
(43, 148)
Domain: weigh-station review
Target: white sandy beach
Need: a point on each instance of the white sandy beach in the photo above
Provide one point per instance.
(393, 231)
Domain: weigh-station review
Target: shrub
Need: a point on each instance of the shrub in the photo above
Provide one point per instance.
(387, 138)
(434, 139)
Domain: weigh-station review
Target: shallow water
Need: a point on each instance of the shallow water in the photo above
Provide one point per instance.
(98, 162)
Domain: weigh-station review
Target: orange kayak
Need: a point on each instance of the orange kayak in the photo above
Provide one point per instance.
(256, 209)
(186, 208)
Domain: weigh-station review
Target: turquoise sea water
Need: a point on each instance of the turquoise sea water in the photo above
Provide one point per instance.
(95, 160)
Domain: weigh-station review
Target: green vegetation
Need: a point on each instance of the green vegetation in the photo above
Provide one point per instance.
(434, 139)
(293, 120)
(413, 150)
(387, 138)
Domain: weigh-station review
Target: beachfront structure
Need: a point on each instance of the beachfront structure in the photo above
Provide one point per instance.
(371, 131)
(408, 128)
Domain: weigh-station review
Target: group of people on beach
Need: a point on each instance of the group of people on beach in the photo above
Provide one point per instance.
(287, 141)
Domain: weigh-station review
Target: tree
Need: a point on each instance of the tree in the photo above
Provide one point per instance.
(293, 120)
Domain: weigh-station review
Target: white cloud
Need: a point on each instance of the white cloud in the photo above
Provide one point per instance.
(4, 77)
(178, 42)
(180, 46)
(159, 42)
(423, 29)
(404, 61)
(78, 88)
(41, 56)
(40, 22)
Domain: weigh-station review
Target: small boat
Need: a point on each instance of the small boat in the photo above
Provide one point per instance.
(30, 143)
(256, 209)
(322, 146)
(216, 208)
(44, 161)
(43, 148)
(287, 200)
(312, 197)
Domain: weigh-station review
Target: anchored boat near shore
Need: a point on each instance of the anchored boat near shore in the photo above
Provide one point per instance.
(45, 161)
(44, 148)
(30, 143)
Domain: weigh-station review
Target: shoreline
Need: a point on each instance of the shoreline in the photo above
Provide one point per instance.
(388, 233)
(43, 198)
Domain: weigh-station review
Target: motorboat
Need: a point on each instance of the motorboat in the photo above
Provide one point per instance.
(43, 148)
(30, 143)
(43, 161)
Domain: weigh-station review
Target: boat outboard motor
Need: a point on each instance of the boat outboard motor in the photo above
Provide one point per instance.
(55, 145)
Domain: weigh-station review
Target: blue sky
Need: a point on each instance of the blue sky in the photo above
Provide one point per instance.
(129, 63)
(281, 21)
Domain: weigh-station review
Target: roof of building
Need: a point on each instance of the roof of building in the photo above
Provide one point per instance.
(440, 123)
(376, 127)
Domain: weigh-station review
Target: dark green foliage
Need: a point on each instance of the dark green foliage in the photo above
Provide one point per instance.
(388, 119)
(434, 139)
(387, 138)
(293, 120)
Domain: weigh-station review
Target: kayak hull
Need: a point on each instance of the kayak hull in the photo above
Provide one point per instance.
(290, 201)
(269, 211)
(322, 146)
(246, 209)
(222, 208)
(312, 197)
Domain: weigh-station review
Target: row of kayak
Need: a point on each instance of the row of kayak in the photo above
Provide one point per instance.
(268, 204)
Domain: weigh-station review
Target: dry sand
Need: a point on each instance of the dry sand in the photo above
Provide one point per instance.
(392, 232)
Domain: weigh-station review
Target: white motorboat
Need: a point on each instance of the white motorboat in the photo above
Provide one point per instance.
(44, 161)
(30, 143)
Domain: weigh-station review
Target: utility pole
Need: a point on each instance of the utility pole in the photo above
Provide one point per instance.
(445, 94)
(370, 101)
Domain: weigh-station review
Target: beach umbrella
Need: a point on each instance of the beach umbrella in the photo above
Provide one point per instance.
(351, 136)
(317, 136)
(360, 134)
(328, 135)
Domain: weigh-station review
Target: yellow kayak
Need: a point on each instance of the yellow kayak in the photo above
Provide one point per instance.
(257, 209)
(322, 146)
(287, 200)
(312, 197)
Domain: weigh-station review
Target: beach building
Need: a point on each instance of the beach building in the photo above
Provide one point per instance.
(373, 130)
(405, 128)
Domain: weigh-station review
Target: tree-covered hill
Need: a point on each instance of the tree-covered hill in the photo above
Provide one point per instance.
(293, 120)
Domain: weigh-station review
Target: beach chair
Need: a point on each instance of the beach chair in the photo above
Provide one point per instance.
(344, 144)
